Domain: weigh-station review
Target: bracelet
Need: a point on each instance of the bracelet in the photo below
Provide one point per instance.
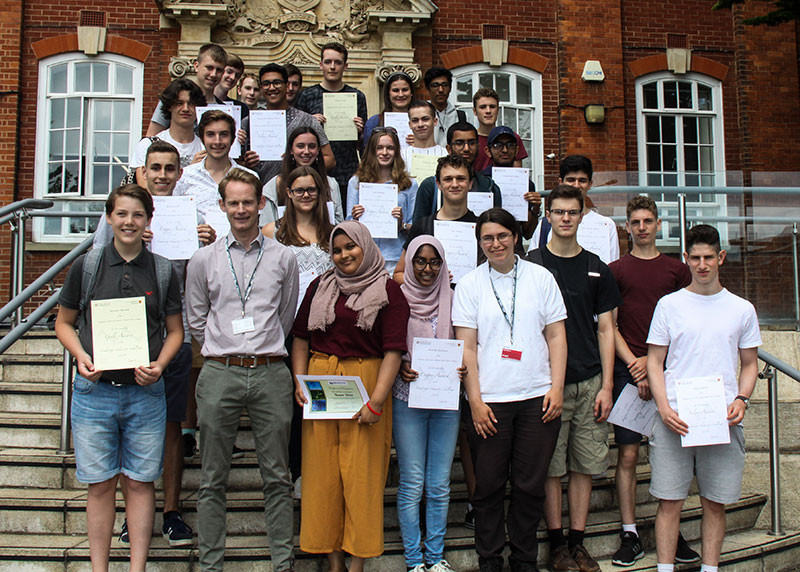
(373, 411)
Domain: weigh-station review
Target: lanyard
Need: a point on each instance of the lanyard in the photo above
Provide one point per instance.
(509, 321)
(252, 275)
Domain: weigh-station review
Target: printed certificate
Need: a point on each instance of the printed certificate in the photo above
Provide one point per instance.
(332, 396)
(119, 333)
(339, 110)
(174, 227)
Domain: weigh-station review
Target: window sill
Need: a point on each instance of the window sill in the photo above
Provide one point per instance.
(50, 246)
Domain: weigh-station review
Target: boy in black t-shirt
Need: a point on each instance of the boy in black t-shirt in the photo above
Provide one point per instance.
(589, 290)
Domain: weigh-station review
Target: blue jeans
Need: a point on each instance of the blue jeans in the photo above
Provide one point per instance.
(425, 440)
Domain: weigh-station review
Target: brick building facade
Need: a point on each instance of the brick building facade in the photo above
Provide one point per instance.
(744, 79)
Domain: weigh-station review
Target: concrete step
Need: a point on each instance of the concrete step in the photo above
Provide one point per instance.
(70, 552)
(37, 397)
(16, 368)
(38, 341)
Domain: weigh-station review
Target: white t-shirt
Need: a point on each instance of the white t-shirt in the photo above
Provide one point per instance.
(539, 303)
(704, 335)
(596, 233)
(187, 151)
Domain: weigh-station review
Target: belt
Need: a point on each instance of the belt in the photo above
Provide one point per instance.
(114, 383)
(245, 361)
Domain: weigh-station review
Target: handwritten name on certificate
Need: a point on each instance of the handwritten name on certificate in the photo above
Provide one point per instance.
(513, 183)
(423, 166)
(460, 246)
(268, 134)
(437, 362)
(119, 333)
(478, 203)
(339, 110)
(633, 412)
(701, 404)
(400, 123)
(378, 200)
(174, 227)
(234, 111)
(332, 396)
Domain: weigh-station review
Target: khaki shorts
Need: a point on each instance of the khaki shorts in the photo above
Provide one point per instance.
(582, 445)
(197, 357)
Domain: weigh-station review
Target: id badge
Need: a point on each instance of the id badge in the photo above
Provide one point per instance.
(511, 353)
(243, 325)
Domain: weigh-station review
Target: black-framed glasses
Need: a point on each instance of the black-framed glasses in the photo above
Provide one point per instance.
(464, 142)
(562, 212)
(272, 83)
(421, 263)
(300, 191)
(502, 238)
(497, 145)
(385, 130)
(439, 84)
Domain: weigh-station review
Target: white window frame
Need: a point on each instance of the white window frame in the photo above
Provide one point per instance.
(535, 149)
(717, 205)
(67, 201)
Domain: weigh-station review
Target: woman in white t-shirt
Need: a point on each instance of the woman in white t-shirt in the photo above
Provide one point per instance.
(510, 315)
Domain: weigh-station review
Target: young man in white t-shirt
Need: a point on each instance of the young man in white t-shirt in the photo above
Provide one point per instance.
(700, 331)
(422, 121)
(597, 233)
(178, 105)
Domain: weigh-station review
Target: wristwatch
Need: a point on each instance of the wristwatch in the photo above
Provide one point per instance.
(746, 400)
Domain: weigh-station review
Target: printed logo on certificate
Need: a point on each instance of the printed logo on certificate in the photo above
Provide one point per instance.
(332, 396)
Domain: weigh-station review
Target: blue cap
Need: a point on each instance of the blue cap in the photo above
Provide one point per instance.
(498, 131)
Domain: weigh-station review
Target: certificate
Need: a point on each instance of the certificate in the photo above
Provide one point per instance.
(119, 334)
(460, 246)
(339, 110)
(480, 202)
(378, 201)
(268, 134)
(218, 220)
(306, 278)
(633, 412)
(174, 227)
(513, 183)
(331, 212)
(234, 111)
(423, 166)
(437, 362)
(332, 396)
(701, 404)
(400, 123)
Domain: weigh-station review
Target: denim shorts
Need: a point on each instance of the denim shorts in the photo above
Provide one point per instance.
(118, 430)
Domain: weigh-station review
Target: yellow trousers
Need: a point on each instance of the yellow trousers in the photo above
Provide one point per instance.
(344, 471)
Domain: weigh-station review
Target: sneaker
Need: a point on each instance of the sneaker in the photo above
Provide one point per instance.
(684, 552)
(561, 560)
(123, 536)
(298, 488)
(490, 564)
(189, 446)
(469, 519)
(177, 532)
(441, 566)
(584, 561)
(237, 453)
(630, 550)
(417, 568)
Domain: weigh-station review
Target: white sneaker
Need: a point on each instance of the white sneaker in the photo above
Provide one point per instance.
(297, 488)
(441, 566)
(418, 568)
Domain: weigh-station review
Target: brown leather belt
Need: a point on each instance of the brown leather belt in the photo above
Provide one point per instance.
(245, 361)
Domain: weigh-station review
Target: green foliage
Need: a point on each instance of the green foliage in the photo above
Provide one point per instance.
(785, 11)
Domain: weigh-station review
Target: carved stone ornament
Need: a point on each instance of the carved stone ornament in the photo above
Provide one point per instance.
(384, 70)
(180, 67)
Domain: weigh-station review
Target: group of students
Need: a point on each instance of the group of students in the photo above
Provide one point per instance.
(532, 411)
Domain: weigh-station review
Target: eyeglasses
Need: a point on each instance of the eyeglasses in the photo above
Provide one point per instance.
(274, 83)
(300, 191)
(464, 142)
(421, 263)
(497, 145)
(385, 130)
(502, 238)
(562, 212)
(439, 85)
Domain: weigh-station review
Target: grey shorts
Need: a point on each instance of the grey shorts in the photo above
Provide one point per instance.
(718, 467)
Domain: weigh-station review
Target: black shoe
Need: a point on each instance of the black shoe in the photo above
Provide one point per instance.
(630, 550)
(522, 565)
(237, 452)
(177, 532)
(490, 564)
(123, 536)
(684, 552)
(469, 519)
(189, 446)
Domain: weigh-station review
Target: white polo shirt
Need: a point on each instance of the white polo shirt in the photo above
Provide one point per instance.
(538, 304)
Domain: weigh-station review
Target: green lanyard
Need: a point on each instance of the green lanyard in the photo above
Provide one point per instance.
(509, 320)
(249, 288)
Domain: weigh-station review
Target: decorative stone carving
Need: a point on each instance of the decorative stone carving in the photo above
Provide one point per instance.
(180, 67)
(385, 69)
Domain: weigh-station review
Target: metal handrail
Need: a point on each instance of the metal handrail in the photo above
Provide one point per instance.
(25, 204)
(18, 331)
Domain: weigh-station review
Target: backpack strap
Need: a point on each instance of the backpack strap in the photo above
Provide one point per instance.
(544, 232)
(462, 115)
(91, 264)
(163, 275)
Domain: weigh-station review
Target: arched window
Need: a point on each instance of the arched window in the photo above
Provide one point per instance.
(681, 141)
(520, 92)
(88, 122)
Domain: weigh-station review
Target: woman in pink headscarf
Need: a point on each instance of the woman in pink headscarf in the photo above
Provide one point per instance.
(425, 439)
(353, 321)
